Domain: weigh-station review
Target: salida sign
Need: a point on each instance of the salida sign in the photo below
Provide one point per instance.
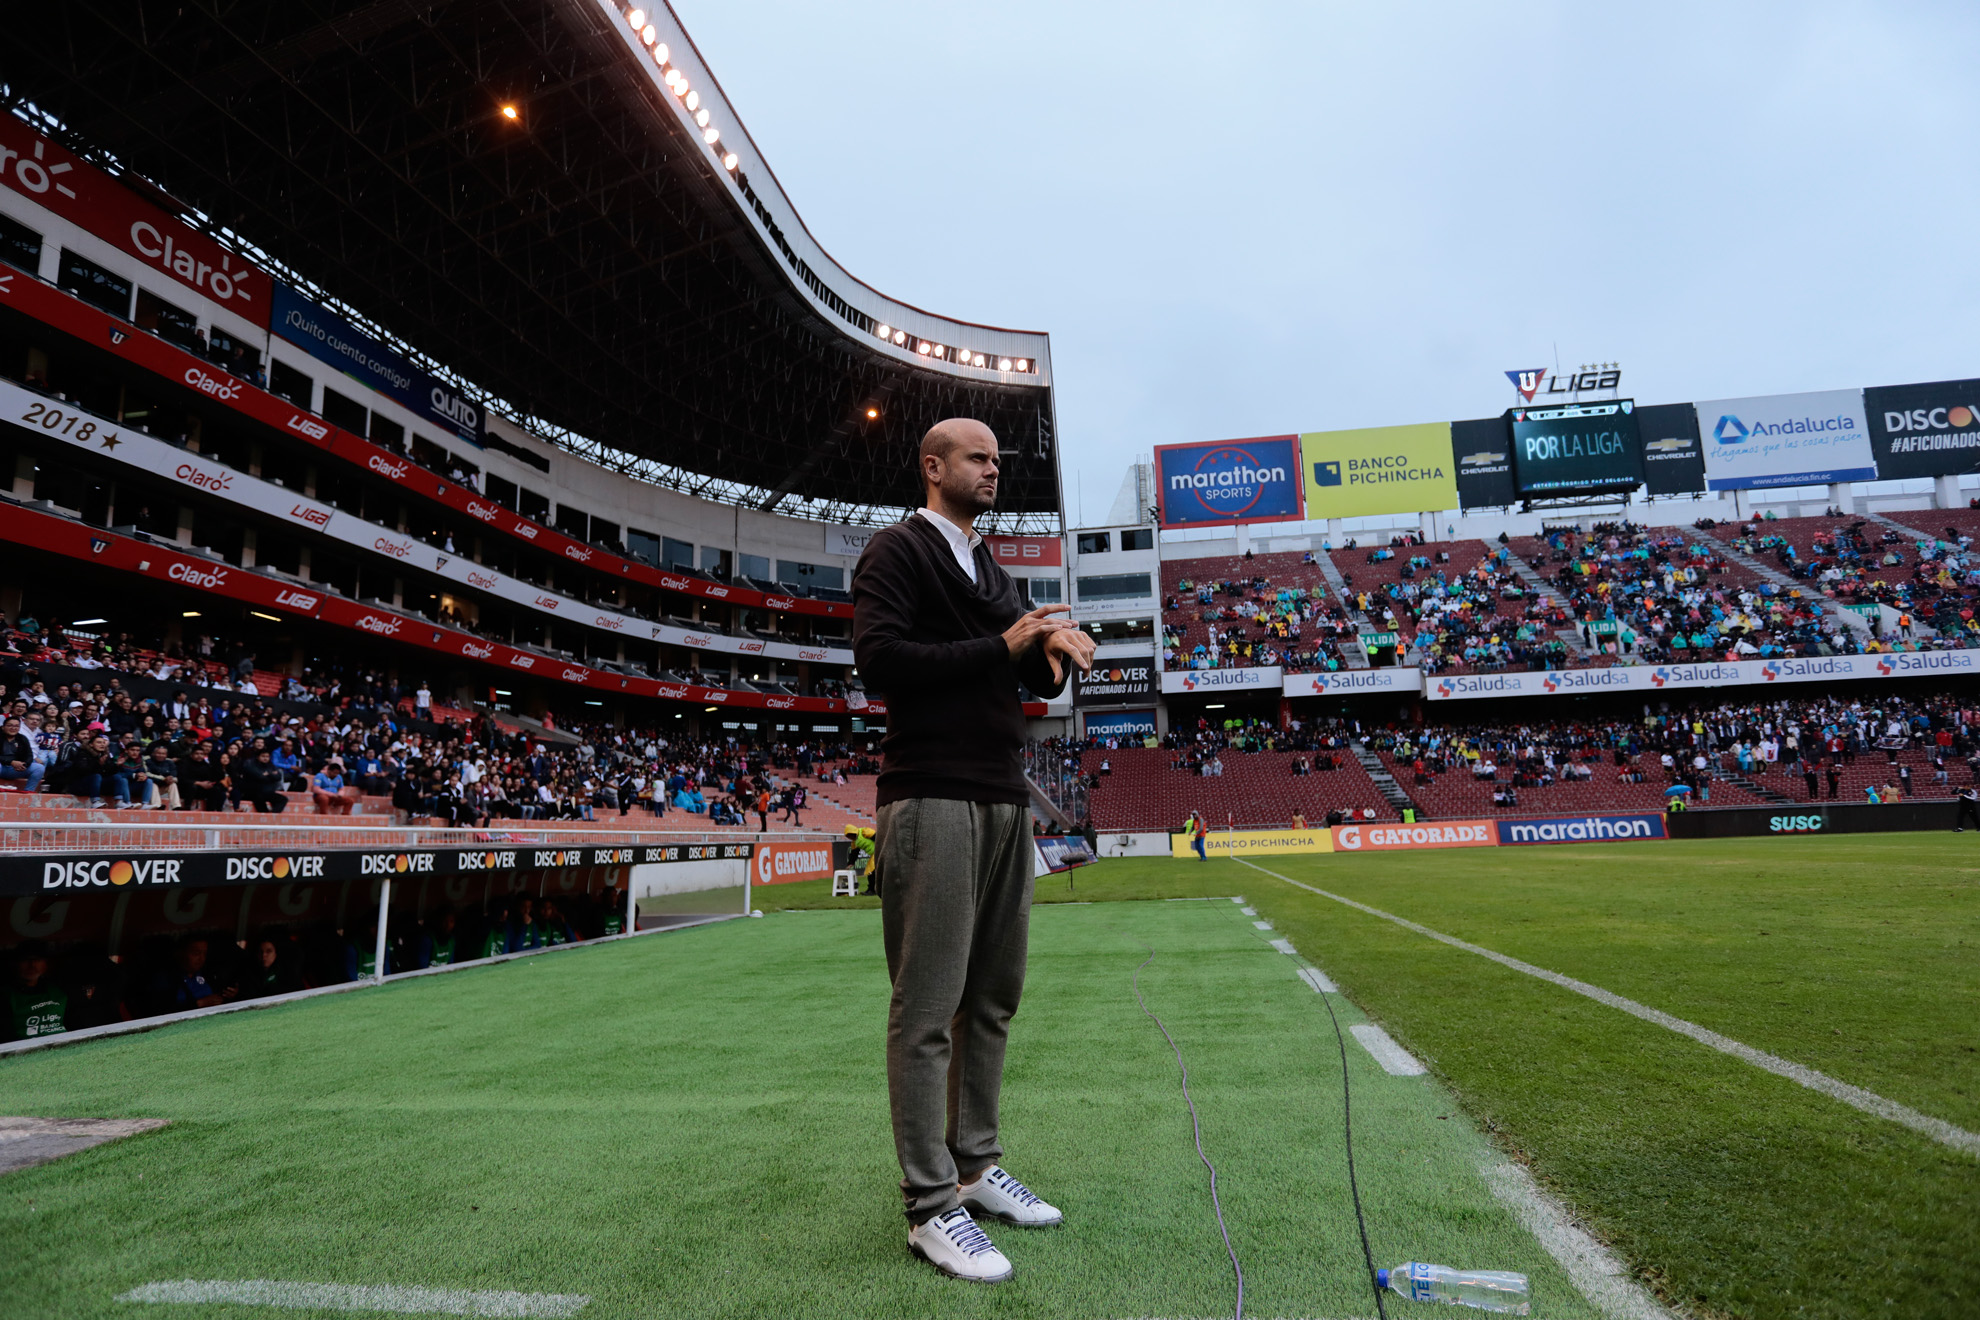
(50, 176)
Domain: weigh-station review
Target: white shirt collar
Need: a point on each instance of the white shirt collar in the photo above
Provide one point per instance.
(961, 544)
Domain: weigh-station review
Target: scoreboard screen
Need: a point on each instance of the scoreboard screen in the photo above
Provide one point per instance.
(1577, 448)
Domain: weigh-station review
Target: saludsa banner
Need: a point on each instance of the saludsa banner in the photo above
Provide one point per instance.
(1719, 673)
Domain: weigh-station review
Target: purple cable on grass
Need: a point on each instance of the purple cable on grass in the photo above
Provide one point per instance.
(1196, 1125)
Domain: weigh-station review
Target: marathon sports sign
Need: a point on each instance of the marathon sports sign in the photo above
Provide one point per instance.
(1356, 683)
(112, 873)
(1719, 673)
(1119, 723)
(1114, 684)
(1582, 829)
(324, 335)
(1924, 430)
(1230, 482)
(51, 177)
(51, 306)
(1205, 681)
(62, 421)
(76, 540)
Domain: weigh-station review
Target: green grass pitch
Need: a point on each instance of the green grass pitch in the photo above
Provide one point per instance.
(694, 1124)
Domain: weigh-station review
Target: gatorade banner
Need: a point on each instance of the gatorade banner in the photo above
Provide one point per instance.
(1435, 834)
(1383, 469)
(1229, 482)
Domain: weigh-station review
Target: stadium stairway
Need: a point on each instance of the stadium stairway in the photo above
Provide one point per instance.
(1904, 529)
(1143, 792)
(1385, 783)
(1531, 576)
(1724, 534)
(1356, 656)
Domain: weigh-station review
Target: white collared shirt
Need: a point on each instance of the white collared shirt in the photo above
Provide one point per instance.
(961, 544)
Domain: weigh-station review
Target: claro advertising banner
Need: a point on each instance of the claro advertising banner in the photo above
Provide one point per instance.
(1230, 482)
(50, 176)
(1785, 440)
(1924, 430)
(1384, 469)
(323, 334)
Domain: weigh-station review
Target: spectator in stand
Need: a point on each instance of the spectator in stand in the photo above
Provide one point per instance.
(259, 784)
(85, 767)
(17, 756)
(35, 1006)
(328, 791)
(202, 783)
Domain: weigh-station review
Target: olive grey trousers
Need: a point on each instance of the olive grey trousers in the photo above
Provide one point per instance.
(955, 899)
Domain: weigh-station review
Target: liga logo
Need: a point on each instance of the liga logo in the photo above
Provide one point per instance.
(105, 874)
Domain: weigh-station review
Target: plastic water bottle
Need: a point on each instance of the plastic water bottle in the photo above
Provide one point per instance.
(1487, 1290)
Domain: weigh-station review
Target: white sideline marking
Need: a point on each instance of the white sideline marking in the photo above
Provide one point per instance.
(347, 1297)
(1285, 946)
(1249, 911)
(1589, 1265)
(1855, 1096)
(1395, 1060)
(1262, 925)
(1316, 978)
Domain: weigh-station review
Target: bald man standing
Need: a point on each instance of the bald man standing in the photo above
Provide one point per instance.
(944, 634)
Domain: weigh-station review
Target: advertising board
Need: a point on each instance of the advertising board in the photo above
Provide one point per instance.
(1254, 843)
(1383, 469)
(1930, 430)
(1576, 448)
(1616, 828)
(1229, 482)
(787, 863)
(1114, 683)
(1356, 683)
(1806, 818)
(1016, 552)
(330, 338)
(51, 176)
(1705, 674)
(1785, 440)
(1119, 723)
(1673, 460)
(1258, 679)
(1062, 852)
(1396, 838)
(1482, 452)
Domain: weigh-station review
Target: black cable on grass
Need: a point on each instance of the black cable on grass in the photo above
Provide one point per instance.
(1196, 1125)
(1347, 1138)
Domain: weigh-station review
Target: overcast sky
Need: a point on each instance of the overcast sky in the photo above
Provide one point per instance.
(1247, 219)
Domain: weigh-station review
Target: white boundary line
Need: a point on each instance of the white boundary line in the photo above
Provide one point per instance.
(1381, 1046)
(1855, 1096)
(349, 1297)
(1589, 1265)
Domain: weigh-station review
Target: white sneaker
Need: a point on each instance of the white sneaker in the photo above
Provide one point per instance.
(1001, 1196)
(953, 1244)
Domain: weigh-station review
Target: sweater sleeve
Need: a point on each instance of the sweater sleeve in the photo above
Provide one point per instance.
(886, 598)
(1035, 670)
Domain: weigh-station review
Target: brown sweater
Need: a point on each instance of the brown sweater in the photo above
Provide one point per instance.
(931, 642)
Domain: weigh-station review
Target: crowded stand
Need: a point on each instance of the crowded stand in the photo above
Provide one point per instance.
(1270, 609)
(1232, 772)
(1930, 584)
(1457, 606)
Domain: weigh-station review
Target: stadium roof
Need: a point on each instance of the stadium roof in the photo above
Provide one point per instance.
(520, 194)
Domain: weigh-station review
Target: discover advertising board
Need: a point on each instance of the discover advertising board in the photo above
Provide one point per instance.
(1785, 440)
(1356, 683)
(1582, 829)
(1576, 448)
(1119, 723)
(1114, 683)
(1262, 678)
(324, 335)
(1253, 843)
(1396, 838)
(1229, 482)
(1383, 469)
(1924, 430)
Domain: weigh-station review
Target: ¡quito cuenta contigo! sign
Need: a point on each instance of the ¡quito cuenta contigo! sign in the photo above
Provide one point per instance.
(113, 872)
